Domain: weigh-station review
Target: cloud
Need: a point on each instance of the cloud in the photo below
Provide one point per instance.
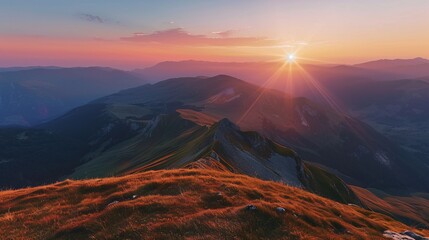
(225, 34)
(178, 36)
(95, 19)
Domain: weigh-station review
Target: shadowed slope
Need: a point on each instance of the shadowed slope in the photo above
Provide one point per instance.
(318, 133)
(30, 96)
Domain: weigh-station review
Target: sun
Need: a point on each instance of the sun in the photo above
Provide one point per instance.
(290, 57)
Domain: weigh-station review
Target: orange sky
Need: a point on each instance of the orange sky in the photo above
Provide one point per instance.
(131, 35)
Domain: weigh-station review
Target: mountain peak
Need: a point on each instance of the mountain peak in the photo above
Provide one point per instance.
(225, 123)
(224, 76)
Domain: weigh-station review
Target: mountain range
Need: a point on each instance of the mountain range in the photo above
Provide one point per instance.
(367, 151)
(405, 68)
(29, 96)
(388, 95)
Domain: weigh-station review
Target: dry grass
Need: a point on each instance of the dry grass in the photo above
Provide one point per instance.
(181, 204)
(412, 209)
(202, 119)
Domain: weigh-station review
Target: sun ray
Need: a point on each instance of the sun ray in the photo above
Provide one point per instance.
(321, 90)
(358, 130)
(290, 89)
(317, 61)
(262, 90)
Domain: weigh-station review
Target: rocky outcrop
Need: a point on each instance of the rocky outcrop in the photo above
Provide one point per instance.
(406, 235)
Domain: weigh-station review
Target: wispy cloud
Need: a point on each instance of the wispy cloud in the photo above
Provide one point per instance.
(178, 36)
(225, 34)
(95, 18)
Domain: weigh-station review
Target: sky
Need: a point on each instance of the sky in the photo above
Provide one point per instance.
(134, 34)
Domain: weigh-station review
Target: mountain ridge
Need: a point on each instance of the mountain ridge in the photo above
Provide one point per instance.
(32, 96)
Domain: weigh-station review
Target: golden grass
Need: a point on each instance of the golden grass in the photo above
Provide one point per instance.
(182, 204)
(413, 209)
(202, 119)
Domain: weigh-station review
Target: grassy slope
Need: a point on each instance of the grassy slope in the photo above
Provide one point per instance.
(328, 185)
(181, 204)
(412, 209)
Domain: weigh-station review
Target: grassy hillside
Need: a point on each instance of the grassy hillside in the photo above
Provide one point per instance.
(182, 204)
(412, 209)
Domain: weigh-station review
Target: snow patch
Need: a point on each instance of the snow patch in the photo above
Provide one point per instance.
(304, 121)
(5, 161)
(382, 158)
(22, 136)
(134, 126)
(309, 110)
(152, 124)
(107, 129)
(225, 96)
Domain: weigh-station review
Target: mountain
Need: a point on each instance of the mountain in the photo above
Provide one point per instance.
(192, 68)
(397, 108)
(320, 134)
(259, 72)
(101, 140)
(180, 123)
(185, 204)
(14, 69)
(316, 82)
(409, 208)
(405, 68)
(31, 157)
(316, 133)
(31, 96)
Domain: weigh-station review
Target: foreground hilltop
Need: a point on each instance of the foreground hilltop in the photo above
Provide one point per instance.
(183, 204)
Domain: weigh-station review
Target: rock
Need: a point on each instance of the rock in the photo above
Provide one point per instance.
(354, 205)
(251, 207)
(113, 203)
(406, 235)
(414, 235)
(215, 156)
(280, 210)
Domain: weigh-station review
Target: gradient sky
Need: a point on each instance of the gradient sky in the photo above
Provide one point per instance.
(131, 34)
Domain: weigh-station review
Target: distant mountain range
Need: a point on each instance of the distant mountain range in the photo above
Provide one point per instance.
(390, 95)
(144, 128)
(14, 69)
(405, 68)
(103, 139)
(32, 95)
(259, 72)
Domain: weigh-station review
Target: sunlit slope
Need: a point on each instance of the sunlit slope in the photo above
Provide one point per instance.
(182, 204)
(410, 208)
